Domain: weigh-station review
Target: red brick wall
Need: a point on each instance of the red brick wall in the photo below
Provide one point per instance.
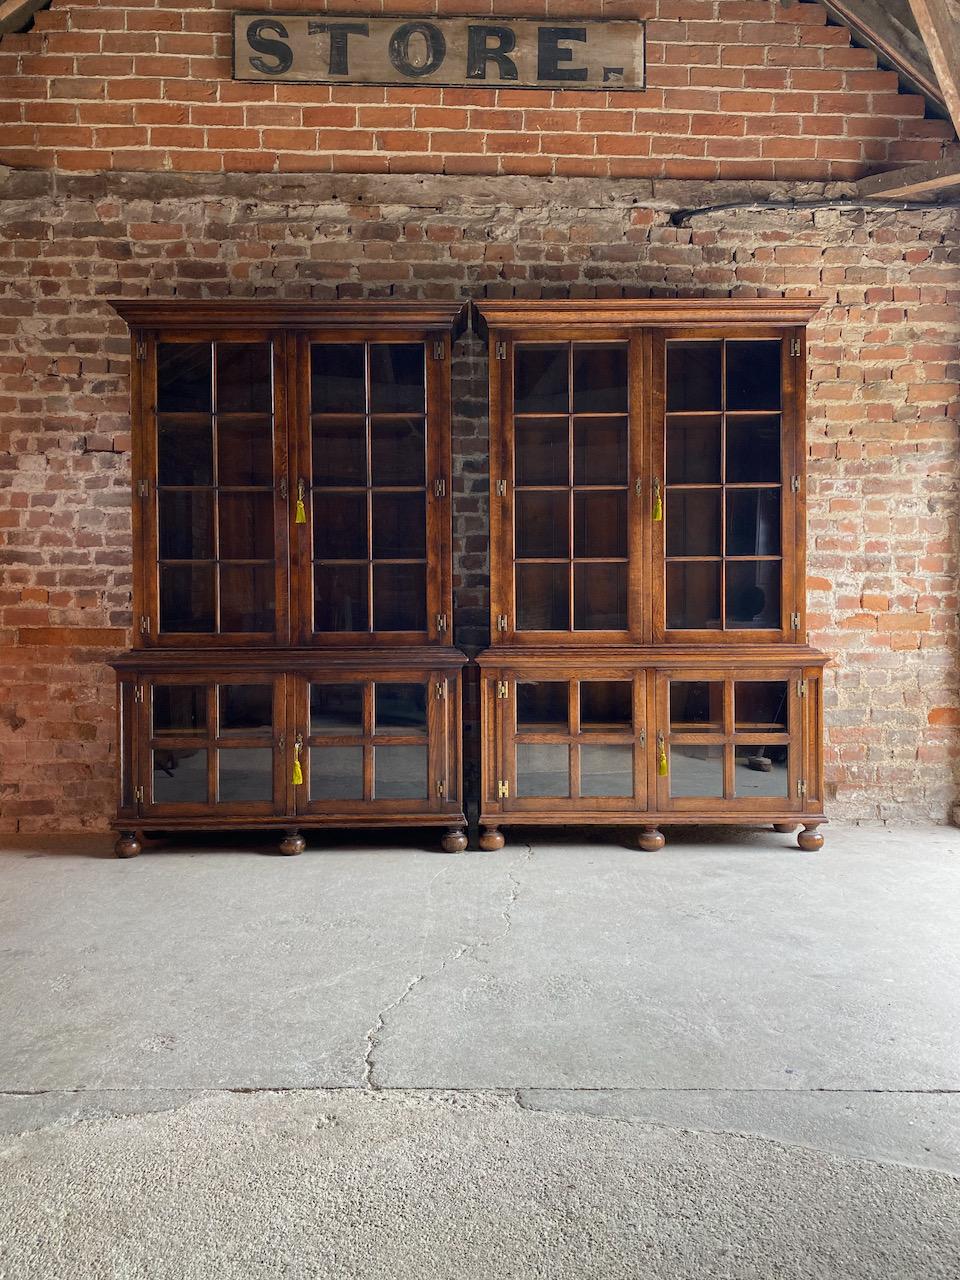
(737, 89)
(884, 404)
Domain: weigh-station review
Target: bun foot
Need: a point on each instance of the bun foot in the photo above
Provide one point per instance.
(454, 841)
(127, 846)
(293, 842)
(785, 828)
(491, 839)
(810, 839)
(650, 840)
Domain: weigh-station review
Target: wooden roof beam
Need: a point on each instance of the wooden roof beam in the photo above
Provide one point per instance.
(941, 35)
(927, 179)
(15, 14)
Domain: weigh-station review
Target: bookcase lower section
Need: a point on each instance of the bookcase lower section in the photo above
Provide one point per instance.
(652, 737)
(289, 741)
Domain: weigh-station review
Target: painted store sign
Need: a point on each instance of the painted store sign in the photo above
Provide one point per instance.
(501, 52)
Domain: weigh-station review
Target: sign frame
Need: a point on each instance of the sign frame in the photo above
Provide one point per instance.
(550, 86)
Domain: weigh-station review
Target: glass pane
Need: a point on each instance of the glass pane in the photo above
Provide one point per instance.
(600, 597)
(540, 379)
(542, 524)
(753, 375)
(542, 451)
(693, 377)
(543, 769)
(246, 709)
(179, 777)
(606, 770)
(340, 599)
(399, 597)
(400, 773)
(398, 451)
(339, 452)
(696, 771)
(336, 708)
(761, 771)
(542, 705)
(244, 377)
(336, 773)
(337, 378)
(761, 705)
(696, 706)
(245, 451)
(399, 526)
(753, 522)
(693, 522)
(600, 523)
(184, 377)
(396, 377)
(693, 595)
(184, 450)
(186, 524)
(246, 775)
(400, 707)
(600, 451)
(543, 597)
(693, 450)
(246, 597)
(246, 526)
(186, 597)
(753, 450)
(600, 378)
(753, 593)
(179, 709)
(340, 526)
(606, 705)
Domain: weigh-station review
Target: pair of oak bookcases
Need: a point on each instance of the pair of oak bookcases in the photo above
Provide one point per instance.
(294, 663)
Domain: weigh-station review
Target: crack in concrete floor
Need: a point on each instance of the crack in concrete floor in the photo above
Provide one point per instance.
(374, 1034)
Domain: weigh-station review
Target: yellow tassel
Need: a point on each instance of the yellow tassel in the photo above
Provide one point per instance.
(297, 774)
(661, 757)
(301, 516)
(657, 502)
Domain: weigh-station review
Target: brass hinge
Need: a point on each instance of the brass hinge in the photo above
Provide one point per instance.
(143, 489)
(795, 621)
(439, 488)
(138, 795)
(440, 689)
(438, 351)
(501, 622)
(501, 351)
(794, 346)
(440, 787)
(801, 688)
(795, 484)
(503, 790)
(441, 622)
(801, 788)
(500, 488)
(138, 693)
(503, 689)
(141, 349)
(144, 625)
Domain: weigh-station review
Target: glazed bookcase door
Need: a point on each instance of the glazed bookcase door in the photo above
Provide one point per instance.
(212, 745)
(573, 744)
(211, 475)
(565, 542)
(723, 493)
(731, 742)
(386, 743)
(371, 470)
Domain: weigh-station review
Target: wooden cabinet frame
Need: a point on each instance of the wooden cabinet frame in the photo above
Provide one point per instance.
(647, 649)
(292, 649)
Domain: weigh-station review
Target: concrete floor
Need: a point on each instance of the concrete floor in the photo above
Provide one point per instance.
(727, 1059)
